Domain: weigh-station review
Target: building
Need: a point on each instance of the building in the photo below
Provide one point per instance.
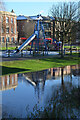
(52, 27)
(8, 27)
(26, 26)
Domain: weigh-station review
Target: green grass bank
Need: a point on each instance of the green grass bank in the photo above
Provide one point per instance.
(20, 66)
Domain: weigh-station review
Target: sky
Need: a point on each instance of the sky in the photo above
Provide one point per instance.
(31, 7)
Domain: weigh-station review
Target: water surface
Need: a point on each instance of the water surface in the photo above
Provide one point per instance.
(24, 93)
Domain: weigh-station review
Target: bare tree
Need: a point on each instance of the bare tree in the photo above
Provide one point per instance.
(2, 6)
(0, 18)
(66, 15)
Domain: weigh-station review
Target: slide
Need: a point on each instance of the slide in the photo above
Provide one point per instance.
(26, 42)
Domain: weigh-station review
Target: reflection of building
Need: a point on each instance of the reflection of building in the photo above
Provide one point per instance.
(38, 79)
(67, 70)
(76, 70)
(8, 82)
(8, 27)
(35, 78)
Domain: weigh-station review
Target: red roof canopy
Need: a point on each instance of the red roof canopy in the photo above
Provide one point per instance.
(23, 38)
(48, 38)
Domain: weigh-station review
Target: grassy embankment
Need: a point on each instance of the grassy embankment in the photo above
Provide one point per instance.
(12, 48)
(10, 67)
(9, 48)
(78, 47)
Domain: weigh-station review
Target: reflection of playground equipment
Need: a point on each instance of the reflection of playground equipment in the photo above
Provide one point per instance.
(8, 82)
(30, 81)
(37, 79)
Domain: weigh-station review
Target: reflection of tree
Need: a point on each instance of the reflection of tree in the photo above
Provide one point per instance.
(62, 105)
(64, 102)
(62, 79)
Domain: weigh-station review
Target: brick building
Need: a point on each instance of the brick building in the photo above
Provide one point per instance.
(52, 27)
(8, 27)
(26, 26)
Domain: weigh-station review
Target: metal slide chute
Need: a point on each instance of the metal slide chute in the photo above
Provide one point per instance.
(26, 42)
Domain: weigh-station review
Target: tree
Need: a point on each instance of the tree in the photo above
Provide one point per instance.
(2, 8)
(66, 16)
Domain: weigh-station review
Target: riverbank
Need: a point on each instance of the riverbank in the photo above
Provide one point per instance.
(37, 64)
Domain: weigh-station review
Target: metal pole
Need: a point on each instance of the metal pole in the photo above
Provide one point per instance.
(62, 44)
(38, 36)
(6, 44)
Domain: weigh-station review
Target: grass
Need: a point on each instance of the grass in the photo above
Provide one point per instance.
(10, 67)
(9, 48)
(12, 48)
(78, 47)
(75, 54)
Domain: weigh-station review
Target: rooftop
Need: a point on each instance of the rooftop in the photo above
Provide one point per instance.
(7, 13)
(36, 17)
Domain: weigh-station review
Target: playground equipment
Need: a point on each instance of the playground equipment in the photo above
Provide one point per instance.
(38, 41)
(35, 37)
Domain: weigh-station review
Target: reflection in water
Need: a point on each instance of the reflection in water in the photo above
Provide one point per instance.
(50, 85)
(8, 82)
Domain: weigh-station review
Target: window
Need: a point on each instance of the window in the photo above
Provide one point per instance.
(15, 39)
(12, 30)
(2, 30)
(14, 21)
(7, 30)
(2, 39)
(12, 39)
(15, 30)
(7, 39)
(11, 20)
(1, 18)
(7, 20)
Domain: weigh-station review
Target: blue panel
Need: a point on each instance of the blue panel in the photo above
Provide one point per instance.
(52, 18)
(33, 17)
(21, 18)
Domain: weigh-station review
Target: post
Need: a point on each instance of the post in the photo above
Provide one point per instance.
(70, 45)
(38, 37)
(53, 28)
(6, 44)
(62, 44)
